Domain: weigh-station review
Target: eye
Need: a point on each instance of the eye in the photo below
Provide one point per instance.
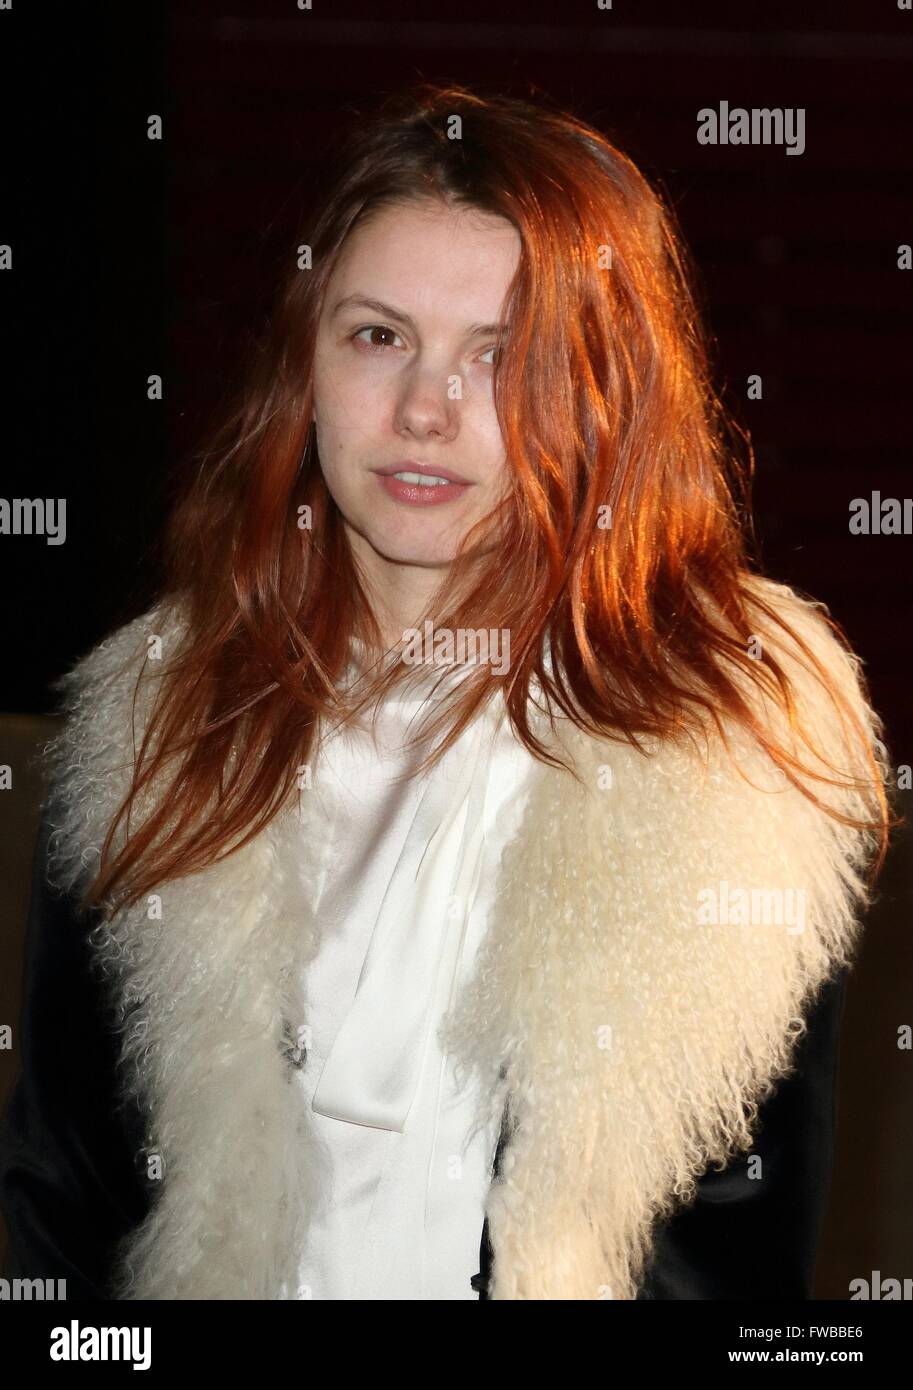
(376, 328)
(382, 347)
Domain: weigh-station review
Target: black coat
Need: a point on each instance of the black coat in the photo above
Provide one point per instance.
(71, 1185)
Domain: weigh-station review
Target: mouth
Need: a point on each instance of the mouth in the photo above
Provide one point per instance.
(419, 485)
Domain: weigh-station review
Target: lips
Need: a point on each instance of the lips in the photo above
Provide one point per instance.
(426, 469)
(442, 485)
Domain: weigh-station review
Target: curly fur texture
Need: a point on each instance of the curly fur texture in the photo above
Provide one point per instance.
(634, 1041)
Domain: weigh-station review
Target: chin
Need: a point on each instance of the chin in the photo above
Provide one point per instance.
(426, 557)
(403, 542)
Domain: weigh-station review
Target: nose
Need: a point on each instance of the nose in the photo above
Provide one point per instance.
(428, 404)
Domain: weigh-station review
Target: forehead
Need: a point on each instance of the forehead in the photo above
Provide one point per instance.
(426, 258)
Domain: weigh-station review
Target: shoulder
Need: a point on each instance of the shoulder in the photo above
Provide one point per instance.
(753, 1227)
(102, 674)
(797, 628)
(825, 717)
(105, 700)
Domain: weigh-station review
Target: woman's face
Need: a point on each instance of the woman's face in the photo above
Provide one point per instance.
(404, 385)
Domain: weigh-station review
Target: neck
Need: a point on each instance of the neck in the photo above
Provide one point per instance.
(400, 594)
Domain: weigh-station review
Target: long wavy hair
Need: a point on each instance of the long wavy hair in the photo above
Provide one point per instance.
(604, 399)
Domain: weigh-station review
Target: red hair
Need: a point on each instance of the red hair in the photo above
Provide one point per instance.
(603, 395)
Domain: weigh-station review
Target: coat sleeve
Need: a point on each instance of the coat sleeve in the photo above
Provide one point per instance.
(747, 1237)
(70, 1186)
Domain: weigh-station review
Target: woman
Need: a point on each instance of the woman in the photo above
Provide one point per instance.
(473, 845)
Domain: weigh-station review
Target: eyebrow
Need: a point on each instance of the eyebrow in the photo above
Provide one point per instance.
(388, 311)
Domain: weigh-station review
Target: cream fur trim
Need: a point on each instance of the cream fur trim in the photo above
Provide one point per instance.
(635, 1042)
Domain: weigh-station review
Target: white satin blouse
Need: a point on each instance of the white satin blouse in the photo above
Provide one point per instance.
(405, 880)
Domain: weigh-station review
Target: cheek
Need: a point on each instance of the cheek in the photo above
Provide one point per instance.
(346, 425)
(347, 401)
(492, 442)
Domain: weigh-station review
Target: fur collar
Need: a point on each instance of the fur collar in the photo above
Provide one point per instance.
(634, 1034)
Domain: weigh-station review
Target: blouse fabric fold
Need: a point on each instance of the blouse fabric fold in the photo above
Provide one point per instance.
(406, 867)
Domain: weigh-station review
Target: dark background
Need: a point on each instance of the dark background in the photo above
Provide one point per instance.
(134, 257)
